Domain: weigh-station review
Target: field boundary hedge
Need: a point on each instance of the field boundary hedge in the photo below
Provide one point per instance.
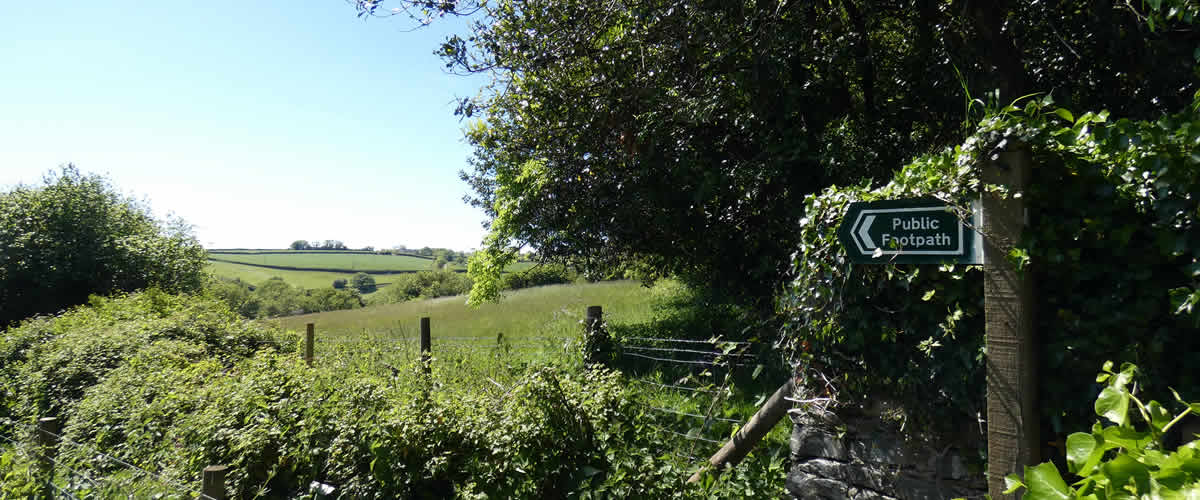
(327, 269)
(237, 251)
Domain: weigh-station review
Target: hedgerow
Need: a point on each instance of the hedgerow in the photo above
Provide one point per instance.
(172, 384)
(1112, 246)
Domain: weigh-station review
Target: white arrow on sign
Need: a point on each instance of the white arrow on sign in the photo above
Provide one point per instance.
(864, 234)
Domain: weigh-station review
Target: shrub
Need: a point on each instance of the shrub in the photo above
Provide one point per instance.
(537, 276)
(423, 284)
(363, 282)
(339, 283)
(47, 364)
(76, 235)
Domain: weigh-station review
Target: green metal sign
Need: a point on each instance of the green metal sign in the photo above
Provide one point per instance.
(911, 231)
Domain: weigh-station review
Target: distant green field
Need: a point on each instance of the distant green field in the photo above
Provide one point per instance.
(307, 279)
(340, 260)
(541, 311)
(251, 272)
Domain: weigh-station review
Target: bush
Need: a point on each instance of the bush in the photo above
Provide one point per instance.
(339, 283)
(76, 235)
(276, 297)
(363, 282)
(47, 364)
(423, 284)
(537, 276)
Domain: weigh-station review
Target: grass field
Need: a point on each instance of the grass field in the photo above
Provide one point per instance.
(248, 266)
(348, 261)
(543, 326)
(529, 312)
(306, 279)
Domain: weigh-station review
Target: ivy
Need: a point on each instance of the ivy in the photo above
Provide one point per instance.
(1113, 248)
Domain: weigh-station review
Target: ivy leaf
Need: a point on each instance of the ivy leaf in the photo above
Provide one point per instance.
(1084, 452)
(1113, 404)
(1064, 114)
(1122, 469)
(1045, 483)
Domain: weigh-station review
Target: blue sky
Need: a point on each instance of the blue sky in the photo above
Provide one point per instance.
(258, 122)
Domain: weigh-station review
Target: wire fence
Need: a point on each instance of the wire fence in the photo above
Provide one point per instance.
(688, 389)
(66, 468)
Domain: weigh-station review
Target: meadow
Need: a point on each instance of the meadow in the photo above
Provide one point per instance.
(692, 409)
(349, 261)
(305, 279)
(311, 269)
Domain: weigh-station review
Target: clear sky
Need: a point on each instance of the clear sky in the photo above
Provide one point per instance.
(258, 122)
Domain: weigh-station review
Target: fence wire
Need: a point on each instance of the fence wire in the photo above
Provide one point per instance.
(94, 450)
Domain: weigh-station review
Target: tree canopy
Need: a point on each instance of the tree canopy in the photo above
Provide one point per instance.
(76, 235)
(681, 137)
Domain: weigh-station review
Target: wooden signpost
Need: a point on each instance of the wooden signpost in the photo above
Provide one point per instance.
(928, 231)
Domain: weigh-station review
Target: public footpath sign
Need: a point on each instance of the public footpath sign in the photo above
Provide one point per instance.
(909, 231)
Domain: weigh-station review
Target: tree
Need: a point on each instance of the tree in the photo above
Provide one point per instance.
(75, 235)
(339, 283)
(363, 282)
(682, 137)
(301, 245)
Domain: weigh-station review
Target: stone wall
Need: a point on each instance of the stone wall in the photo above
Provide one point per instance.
(867, 456)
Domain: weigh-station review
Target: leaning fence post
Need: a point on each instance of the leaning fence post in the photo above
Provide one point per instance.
(212, 484)
(47, 440)
(309, 337)
(426, 345)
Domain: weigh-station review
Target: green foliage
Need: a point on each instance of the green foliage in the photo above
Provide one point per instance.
(182, 383)
(339, 284)
(363, 282)
(1122, 459)
(424, 284)
(1112, 247)
(47, 364)
(275, 297)
(76, 235)
(537, 276)
(686, 135)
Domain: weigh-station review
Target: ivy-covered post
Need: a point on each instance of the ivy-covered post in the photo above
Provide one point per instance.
(309, 337)
(212, 483)
(47, 440)
(426, 346)
(597, 345)
(1012, 420)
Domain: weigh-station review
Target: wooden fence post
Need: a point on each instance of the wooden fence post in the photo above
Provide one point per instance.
(750, 434)
(597, 346)
(309, 337)
(47, 441)
(212, 484)
(426, 345)
(1012, 419)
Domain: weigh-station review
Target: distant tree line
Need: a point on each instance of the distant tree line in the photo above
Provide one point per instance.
(320, 245)
(275, 297)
